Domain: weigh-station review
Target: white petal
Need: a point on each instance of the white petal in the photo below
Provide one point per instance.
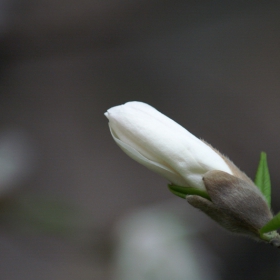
(154, 166)
(161, 140)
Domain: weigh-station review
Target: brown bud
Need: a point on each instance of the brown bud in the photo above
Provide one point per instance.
(235, 204)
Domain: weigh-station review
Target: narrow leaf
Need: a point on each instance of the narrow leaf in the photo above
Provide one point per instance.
(184, 191)
(272, 225)
(262, 179)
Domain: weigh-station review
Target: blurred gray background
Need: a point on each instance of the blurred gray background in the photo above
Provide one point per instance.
(212, 66)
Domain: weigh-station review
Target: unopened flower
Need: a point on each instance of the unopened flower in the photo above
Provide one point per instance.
(207, 179)
(162, 145)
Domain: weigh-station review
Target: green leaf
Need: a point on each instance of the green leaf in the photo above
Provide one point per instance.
(262, 179)
(272, 225)
(184, 191)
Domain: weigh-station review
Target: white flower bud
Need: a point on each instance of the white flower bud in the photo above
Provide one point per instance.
(162, 145)
(208, 180)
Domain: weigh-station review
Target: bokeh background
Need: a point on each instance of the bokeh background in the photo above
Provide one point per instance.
(73, 205)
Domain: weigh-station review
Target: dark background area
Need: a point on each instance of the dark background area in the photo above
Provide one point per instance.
(212, 66)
